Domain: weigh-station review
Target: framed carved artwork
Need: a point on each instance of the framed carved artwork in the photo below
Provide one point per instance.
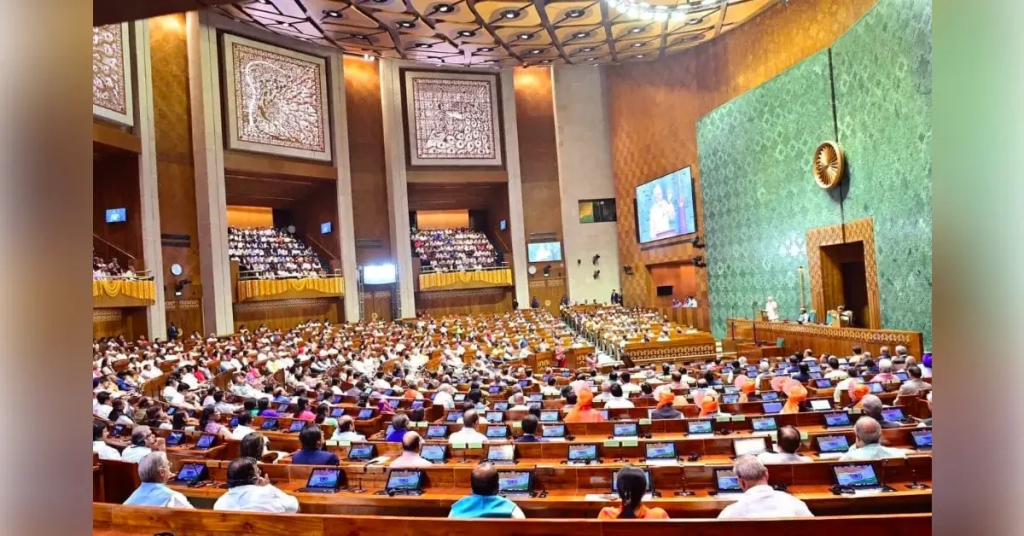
(452, 119)
(275, 100)
(112, 74)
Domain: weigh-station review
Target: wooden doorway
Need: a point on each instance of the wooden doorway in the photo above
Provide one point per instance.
(844, 281)
(843, 271)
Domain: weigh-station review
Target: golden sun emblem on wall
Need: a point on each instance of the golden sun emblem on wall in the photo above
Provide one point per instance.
(829, 165)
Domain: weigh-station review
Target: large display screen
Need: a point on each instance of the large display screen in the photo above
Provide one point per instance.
(381, 274)
(544, 251)
(664, 207)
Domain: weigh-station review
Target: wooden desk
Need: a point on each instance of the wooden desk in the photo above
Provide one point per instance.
(680, 349)
(826, 339)
(117, 520)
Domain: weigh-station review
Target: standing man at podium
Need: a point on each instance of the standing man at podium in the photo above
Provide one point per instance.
(772, 309)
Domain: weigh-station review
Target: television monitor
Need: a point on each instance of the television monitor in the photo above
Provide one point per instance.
(325, 227)
(665, 290)
(379, 274)
(503, 225)
(544, 251)
(665, 208)
(117, 215)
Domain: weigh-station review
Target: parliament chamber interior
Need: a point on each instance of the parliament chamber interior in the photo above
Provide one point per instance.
(413, 267)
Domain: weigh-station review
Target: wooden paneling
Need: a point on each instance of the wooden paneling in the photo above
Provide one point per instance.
(273, 192)
(366, 159)
(464, 302)
(186, 313)
(456, 175)
(377, 301)
(538, 151)
(821, 339)
(321, 205)
(654, 107)
(286, 314)
(548, 290)
(111, 322)
(682, 277)
(116, 185)
(107, 138)
(824, 270)
(175, 170)
(453, 196)
(442, 219)
(258, 165)
(239, 216)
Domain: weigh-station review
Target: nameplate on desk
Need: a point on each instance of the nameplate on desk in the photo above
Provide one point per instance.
(422, 424)
(344, 443)
(804, 436)
(630, 443)
(855, 411)
(458, 445)
(476, 445)
(517, 424)
(645, 422)
(611, 443)
(739, 418)
(723, 418)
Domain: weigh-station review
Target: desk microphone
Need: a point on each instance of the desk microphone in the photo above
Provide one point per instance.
(685, 492)
(881, 476)
(916, 484)
(359, 486)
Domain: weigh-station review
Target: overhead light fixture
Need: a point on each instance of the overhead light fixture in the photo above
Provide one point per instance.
(581, 35)
(445, 8)
(466, 33)
(406, 24)
(536, 51)
(643, 10)
(368, 57)
(510, 13)
(333, 13)
(638, 29)
(588, 49)
(491, 61)
(545, 61)
(485, 49)
(591, 59)
(695, 21)
(575, 13)
(637, 45)
(639, 55)
(423, 45)
(264, 1)
(525, 36)
(358, 36)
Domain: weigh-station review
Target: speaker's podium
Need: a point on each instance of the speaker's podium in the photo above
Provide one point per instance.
(836, 320)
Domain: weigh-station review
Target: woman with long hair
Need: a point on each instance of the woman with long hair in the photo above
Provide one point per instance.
(208, 423)
(632, 485)
(302, 410)
(117, 414)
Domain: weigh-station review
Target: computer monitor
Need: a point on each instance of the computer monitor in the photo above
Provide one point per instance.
(233, 423)
(550, 415)
(515, 481)
(823, 383)
(815, 375)
(586, 452)
(119, 430)
(283, 408)
(416, 404)
(403, 480)
(892, 414)
(453, 416)
(749, 445)
(337, 413)
(494, 389)
(336, 399)
(524, 383)
(500, 406)
(902, 376)
(206, 441)
(501, 453)
(625, 429)
(700, 426)
(855, 475)
(323, 478)
(837, 419)
(922, 438)
(764, 424)
(730, 390)
(876, 387)
(175, 438)
(647, 476)
(297, 426)
(459, 397)
(553, 431)
(497, 431)
(769, 396)
(437, 431)
(390, 430)
(726, 481)
(829, 444)
(660, 451)
(495, 416)
(772, 407)
(535, 397)
(193, 473)
(730, 399)
(434, 453)
(361, 452)
(821, 404)
(604, 413)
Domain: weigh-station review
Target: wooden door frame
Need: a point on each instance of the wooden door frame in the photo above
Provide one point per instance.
(855, 231)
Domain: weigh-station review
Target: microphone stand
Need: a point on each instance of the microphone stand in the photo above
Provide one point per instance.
(682, 475)
(753, 321)
(916, 484)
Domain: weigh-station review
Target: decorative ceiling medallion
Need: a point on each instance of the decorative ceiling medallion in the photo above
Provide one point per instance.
(829, 165)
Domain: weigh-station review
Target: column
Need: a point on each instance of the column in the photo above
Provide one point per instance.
(208, 153)
(398, 192)
(516, 223)
(152, 255)
(344, 191)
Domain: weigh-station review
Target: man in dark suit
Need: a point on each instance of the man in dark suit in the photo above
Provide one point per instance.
(312, 439)
(535, 303)
(615, 297)
(529, 424)
(173, 332)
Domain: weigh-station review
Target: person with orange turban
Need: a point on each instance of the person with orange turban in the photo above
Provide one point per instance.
(709, 406)
(857, 394)
(746, 389)
(797, 394)
(665, 409)
(584, 410)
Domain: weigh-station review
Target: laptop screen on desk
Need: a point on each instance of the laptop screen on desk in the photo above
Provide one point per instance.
(336, 413)
(625, 429)
(922, 438)
(495, 416)
(876, 387)
(404, 480)
(205, 441)
(764, 424)
(553, 430)
(365, 414)
(176, 438)
(190, 472)
(821, 404)
(437, 431)
(360, 452)
(769, 396)
(578, 453)
(823, 384)
(433, 453)
(501, 453)
(297, 426)
(514, 481)
(702, 426)
(727, 481)
(322, 478)
(499, 431)
(453, 416)
(855, 475)
(748, 445)
(892, 414)
(839, 418)
(832, 443)
(660, 451)
(772, 407)
(730, 399)
(550, 415)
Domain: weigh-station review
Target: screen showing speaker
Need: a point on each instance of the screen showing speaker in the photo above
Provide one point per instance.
(379, 274)
(665, 208)
(117, 215)
(325, 227)
(544, 251)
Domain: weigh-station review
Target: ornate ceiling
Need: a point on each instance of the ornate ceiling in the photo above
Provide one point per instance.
(496, 33)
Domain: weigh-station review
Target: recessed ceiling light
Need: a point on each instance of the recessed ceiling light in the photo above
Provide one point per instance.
(380, 1)
(695, 21)
(358, 36)
(491, 61)
(636, 30)
(591, 59)
(588, 49)
(332, 13)
(467, 33)
(264, 1)
(536, 51)
(639, 55)
(546, 61)
(581, 35)
(406, 24)
(510, 13)
(445, 8)
(486, 49)
(423, 45)
(525, 36)
(637, 45)
(575, 13)
(661, 8)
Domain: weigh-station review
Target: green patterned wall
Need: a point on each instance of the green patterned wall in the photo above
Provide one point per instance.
(759, 197)
(883, 88)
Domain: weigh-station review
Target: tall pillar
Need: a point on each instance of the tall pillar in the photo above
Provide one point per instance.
(208, 154)
(398, 191)
(346, 220)
(517, 227)
(152, 254)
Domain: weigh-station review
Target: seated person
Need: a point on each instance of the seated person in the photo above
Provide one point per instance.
(312, 439)
(788, 443)
(469, 433)
(154, 472)
(760, 500)
(346, 430)
(529, 425)
(873, 408)
(618, 400)
(143, 442)
(243, 429)
(249, 491)
(868, 445)
(632, 485)
(485, 501)
(410, 458)
(665, 409)
(400, 423)
(100, 446)
(584, 410)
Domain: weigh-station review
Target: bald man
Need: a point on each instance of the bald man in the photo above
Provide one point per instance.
(872, 407)
(468, 434)
(410, 458)
(759, 499)
(869, 446)
(485, 501)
